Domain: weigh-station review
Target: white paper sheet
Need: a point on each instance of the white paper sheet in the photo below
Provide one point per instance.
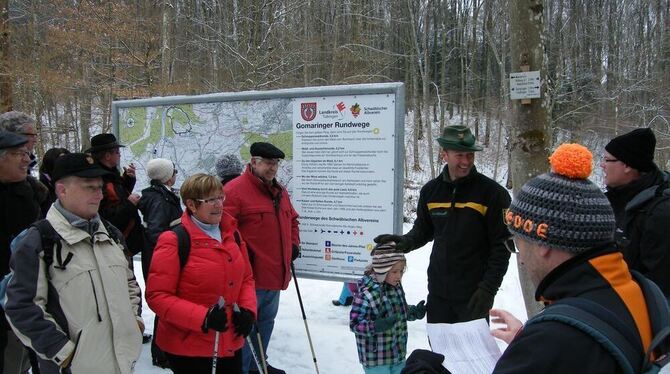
(468, 347)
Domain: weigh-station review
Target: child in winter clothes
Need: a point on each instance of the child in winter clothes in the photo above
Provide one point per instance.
(379, 313)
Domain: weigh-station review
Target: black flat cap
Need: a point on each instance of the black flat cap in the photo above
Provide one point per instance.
(78, 165)
(265, 150)
(11, 140)
(103, 142)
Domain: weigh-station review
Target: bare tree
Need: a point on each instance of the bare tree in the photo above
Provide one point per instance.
(531, 123)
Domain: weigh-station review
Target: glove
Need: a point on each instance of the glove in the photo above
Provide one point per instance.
(215, 319)
(385, 324)
(417, 311)
(295, 252)
(243, 321)
(401, 243)
(480, 303)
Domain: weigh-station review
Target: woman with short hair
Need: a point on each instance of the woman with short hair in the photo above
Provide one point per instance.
(213, 293)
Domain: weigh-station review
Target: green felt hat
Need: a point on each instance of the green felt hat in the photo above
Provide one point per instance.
(458, 138)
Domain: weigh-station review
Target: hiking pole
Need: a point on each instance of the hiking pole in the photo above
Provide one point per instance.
(215, 355)
(260, 347)
(236, 309)
(304, 317)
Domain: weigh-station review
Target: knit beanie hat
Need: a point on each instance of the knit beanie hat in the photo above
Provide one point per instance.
(562, 209)
(384, 256)
(635, 149)
(228, 166)
(160, 169)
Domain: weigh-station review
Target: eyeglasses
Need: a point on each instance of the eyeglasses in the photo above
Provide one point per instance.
(269, 161)
(21, 154)
(213, 200)
(509, 244)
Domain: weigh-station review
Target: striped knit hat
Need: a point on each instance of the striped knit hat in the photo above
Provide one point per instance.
(563, 209)
(384, 256)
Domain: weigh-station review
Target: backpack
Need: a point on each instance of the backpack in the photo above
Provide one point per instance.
(184, 243)
(621, 341)
(51, 243)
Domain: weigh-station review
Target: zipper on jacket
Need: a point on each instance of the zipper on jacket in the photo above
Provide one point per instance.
(95, 296)
(276, 202)
(453, 199)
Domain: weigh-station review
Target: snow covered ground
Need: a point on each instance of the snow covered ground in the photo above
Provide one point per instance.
(334, 344)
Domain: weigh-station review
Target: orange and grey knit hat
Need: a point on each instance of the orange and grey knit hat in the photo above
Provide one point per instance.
(562, 209)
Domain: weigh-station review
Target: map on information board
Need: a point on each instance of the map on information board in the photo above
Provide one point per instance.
(194, 136)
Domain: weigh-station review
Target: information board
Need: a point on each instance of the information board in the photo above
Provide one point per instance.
(344, 157)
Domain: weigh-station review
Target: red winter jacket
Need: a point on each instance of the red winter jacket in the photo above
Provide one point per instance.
(181, 299)
(269, 235)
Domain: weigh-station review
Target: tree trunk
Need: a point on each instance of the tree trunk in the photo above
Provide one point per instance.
(6, 89)
(166, 37)
(425, 80)
(530, 131)
(415, 111)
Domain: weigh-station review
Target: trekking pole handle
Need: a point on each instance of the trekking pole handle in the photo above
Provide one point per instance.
(221, 303)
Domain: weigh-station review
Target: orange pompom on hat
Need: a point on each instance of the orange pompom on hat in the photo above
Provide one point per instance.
(562, 209)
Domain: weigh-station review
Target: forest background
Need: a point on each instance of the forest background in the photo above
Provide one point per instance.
(606, 67)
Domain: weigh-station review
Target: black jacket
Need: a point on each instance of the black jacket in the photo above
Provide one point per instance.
(117, 209)
(159, 207)
(51, 197)
(555, 347)
(465, 220)
(642, 210)
(20, 206)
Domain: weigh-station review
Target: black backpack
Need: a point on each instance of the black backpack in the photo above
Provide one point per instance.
(621, 341)
(184, 243)
(52, 245)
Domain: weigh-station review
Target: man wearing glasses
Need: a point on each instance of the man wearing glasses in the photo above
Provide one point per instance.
(22, 124)
(563, 227)
(20, 208)
(269, 226)
(640, 196)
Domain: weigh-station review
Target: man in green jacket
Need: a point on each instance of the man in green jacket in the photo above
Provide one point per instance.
(462, 212)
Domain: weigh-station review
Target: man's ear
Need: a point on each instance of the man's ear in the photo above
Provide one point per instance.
(443, 154)
(59, 188)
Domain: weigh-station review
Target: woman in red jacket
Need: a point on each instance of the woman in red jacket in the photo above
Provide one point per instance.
(186, 300)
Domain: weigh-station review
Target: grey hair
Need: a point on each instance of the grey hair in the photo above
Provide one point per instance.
(15, 121)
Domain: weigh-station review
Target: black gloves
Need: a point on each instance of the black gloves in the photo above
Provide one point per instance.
(295, 252)
(243, 321)
(385, 324)
(417, 311)
(401, 243)
(480, 303)
(215, 319)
